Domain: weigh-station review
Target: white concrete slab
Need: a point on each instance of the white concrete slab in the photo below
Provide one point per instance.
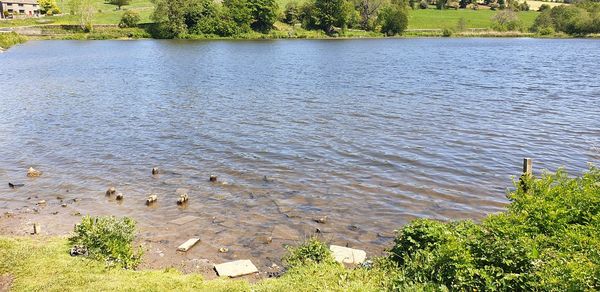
(236, 268)
(188, 244)
(184, 220)
(348, 255)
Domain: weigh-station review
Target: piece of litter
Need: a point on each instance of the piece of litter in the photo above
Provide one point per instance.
(348, 255)
(236, 268)
(188, 244)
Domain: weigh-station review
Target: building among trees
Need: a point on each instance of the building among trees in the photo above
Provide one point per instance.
(19, 8)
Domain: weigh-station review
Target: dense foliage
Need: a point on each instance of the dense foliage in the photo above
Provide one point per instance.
(109, 239)
(179, 18)
(129, 19)
(10, 39)
(393, 19)
(48, 7)
(578, 19)
(548, 239)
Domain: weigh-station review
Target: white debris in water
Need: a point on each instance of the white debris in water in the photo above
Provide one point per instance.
(348, 255)
(236, 268)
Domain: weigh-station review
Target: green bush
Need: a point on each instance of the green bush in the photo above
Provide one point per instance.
(109, 239)
(10, 39)
(48, 7)
(506, 20)
(311, 251)
(129, 19)
(393, 19)
(579, 19)
(447, 32)
(547, 240)
(544, 7)
(423, 4)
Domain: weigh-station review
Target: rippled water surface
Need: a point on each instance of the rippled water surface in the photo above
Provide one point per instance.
(371, 133)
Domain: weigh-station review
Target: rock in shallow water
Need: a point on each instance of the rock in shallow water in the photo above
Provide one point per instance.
(32, 172)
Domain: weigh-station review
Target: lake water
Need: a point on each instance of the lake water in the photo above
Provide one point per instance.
(371, 133)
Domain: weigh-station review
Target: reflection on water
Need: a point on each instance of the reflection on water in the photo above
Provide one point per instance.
(371, 133)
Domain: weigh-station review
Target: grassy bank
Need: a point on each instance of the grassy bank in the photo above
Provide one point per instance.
(546, 240)
(8, 40)
(43, 264)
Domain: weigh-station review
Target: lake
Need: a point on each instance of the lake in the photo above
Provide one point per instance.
(370, 133)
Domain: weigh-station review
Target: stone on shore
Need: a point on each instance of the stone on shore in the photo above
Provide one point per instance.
(188, 244)
(236, 268)
(32, 172)
(348, 255)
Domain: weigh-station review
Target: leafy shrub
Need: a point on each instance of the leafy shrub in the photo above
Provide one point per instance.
(393, 19)
(547, 240)
(311, 251)
(10, 39)
(48, 7)
(524, 6)
(447, 32)
(579, 19)
(109, 239)
(129, 19)
(423, 4)
(506, 20)
(544, 7)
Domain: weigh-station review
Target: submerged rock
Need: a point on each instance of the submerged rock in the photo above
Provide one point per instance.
(111, 191)
(154, 170)
(321, 220)
(212, 178)
(183, 198)
(119, 196)
(32, 172)
(151, 199)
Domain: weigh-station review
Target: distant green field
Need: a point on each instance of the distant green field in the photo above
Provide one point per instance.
(418, 19)
(436, 19)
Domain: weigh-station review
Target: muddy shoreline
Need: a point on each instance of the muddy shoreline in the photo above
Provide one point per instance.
(56, 214)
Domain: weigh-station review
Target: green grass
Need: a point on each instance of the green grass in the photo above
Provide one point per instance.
(8, 40)
(439, 19)
(43, 264)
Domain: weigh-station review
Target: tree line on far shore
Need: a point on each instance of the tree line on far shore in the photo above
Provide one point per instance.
(177, 18)
(230, 18)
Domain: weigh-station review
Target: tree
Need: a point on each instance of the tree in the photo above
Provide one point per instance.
(331, 14)
(263, 13)
(85, 10)
(169, 15)
(118, 3)
(129, 19)
(393, 19)
(368, 12)
(48, 7)
(291, 13)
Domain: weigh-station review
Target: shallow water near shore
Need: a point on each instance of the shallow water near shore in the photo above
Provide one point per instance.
(370, 133)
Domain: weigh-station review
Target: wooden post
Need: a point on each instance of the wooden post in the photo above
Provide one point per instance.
(527, 173)
(528, 166)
